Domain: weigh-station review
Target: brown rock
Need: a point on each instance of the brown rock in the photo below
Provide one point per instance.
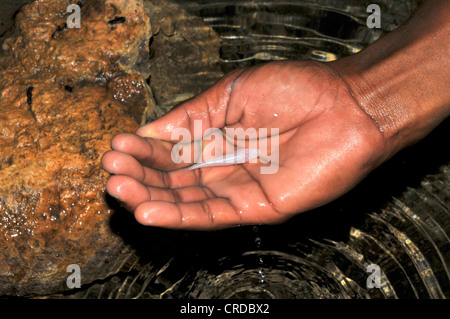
(63, 94)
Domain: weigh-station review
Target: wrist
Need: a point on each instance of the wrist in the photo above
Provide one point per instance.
(401, 81)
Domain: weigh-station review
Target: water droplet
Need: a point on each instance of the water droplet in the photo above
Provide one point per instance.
(258, 242)
(261, 273)
(262, 281)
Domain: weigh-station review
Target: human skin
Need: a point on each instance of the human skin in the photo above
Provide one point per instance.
(337, 121)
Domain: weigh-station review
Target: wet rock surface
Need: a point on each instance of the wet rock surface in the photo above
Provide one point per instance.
(64, 92)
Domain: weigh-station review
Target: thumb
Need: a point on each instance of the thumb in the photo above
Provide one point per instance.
(209, 107)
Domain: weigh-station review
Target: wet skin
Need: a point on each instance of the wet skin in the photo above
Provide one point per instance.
(327, 144)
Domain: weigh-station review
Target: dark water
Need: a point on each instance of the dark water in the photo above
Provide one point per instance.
(322, 30)
(396, 218)
(319, 254)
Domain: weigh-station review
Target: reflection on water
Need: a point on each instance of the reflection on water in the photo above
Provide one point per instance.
(324, 253)
(322, 30)
(408, 240)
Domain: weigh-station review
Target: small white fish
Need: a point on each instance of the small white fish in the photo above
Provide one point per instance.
(240, 156)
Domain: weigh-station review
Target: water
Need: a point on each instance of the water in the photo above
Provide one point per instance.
(408, 240)
(319, 254)
(324, 30)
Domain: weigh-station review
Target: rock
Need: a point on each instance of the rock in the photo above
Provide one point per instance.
(63, 94)
(185, 54)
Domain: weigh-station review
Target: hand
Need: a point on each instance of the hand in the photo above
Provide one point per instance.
(337, 122)
(327, 144)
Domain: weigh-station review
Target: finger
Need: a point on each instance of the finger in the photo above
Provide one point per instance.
(128, 191)
(186, 194)
(119, 163)
(209, 107)
(174, 179)
(212, 213)
(149, 152)
(216, 210)
(132, 193)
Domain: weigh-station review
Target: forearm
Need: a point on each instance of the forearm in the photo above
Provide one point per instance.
(402, 81)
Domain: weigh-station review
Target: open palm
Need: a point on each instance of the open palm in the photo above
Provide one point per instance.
(327, 144)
